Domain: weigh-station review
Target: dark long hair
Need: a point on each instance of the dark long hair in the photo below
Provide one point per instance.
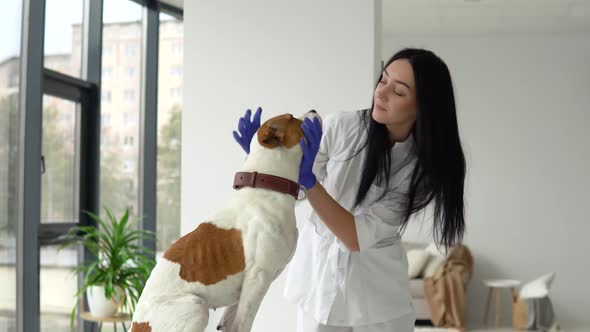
(439, 173)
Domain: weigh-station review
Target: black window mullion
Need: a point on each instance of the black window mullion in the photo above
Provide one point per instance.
(65, 87)
(90, 114)
(89, 152)
(29, 170)
(160, 6)
(49, 232)
(149, 123)
(175, 12)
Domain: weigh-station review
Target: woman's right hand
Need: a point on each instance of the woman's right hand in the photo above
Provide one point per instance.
(247, 129)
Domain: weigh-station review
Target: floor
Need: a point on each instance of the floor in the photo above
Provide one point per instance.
(508, 329)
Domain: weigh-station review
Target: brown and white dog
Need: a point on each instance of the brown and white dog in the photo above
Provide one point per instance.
(231, 259)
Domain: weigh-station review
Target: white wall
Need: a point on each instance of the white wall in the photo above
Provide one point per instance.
(524, 114)
(284, 56)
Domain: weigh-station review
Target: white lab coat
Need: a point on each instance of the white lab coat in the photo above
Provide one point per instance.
(326, 280)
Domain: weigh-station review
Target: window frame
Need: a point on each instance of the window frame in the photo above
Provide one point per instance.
(35, 81)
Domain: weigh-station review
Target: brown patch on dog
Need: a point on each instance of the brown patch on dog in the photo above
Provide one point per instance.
(208, 254)
(141, 327)
(282, 130)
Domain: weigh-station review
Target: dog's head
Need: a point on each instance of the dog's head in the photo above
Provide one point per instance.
(283, 130)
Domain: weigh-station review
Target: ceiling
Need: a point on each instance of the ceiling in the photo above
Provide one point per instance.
(479, 17)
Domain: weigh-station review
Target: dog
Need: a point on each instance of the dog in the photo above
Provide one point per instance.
(231, 259)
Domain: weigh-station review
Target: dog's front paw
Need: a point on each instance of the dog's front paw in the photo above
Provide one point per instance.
(225, 327)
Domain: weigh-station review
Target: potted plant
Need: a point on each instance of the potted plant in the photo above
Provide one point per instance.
(115, 277)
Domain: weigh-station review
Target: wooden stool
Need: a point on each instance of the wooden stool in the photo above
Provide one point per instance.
(118, 318)
(495, 286)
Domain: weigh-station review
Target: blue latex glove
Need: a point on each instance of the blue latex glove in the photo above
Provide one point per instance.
(247, 129)
(310, 146)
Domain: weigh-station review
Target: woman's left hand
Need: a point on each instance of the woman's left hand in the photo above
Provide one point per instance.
(310, 146)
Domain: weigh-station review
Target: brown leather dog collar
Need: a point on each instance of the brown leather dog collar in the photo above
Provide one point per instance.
(266, 181)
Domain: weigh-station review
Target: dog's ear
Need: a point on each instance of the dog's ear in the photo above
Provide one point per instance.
(282, 130)
(292, 133)
(270, 136)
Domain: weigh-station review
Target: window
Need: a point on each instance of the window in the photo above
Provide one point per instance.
(63, 54)
(13, 80)
(176, 47)
(128, 141)
(58, 179)
(57, 284)
(106, 140)
(106, 96)
(105, 120)
(176, 94)
(129, 95)
(169, 134)
(65, 118)
(176, 70)
(129, 119)
(107, 73)
(63, 138)
(130, 50)
(128, 166)
(129, 72)
(59, 183)
(9, 160)
(107, 50)
(119, 160)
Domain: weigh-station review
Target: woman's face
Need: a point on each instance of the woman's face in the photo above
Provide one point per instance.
(395, 97)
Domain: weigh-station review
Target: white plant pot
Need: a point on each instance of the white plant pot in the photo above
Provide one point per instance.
(98, 304)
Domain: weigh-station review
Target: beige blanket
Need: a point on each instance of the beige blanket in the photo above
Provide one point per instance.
(444, 291)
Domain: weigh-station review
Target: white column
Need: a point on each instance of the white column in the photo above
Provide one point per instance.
(286, 56)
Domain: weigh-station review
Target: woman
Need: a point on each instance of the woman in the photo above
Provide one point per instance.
(366, 173)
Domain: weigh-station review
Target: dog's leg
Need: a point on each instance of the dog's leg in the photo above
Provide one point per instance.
(188, 313)
(198, 322)
(228, 318)
(255, 285)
